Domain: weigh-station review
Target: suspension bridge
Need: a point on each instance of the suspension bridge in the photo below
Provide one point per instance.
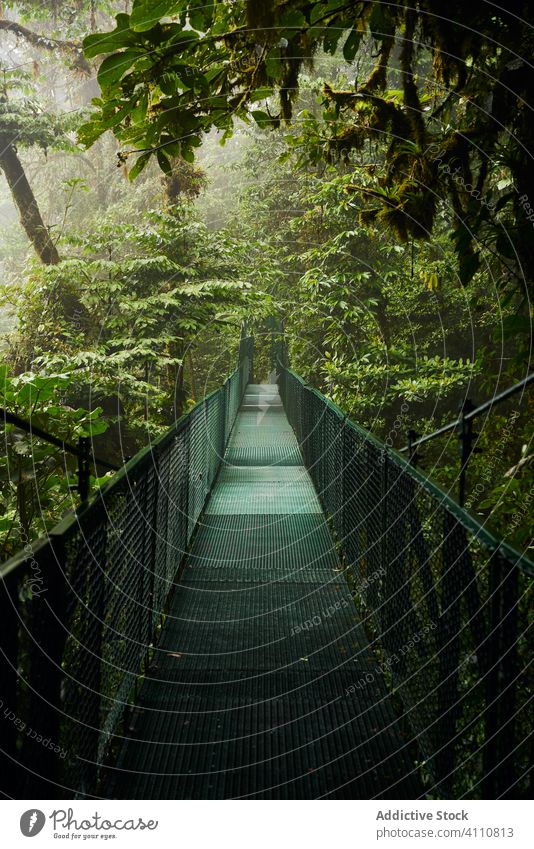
(266, 603)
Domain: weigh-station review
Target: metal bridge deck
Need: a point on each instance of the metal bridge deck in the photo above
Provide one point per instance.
(263, 684)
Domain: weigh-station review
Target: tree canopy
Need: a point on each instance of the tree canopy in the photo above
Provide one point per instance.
(446, 102)
(362, 169)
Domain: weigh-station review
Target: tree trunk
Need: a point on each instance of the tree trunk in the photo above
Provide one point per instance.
(30, 217)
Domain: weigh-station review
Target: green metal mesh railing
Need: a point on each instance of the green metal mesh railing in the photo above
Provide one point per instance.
(79, 610)
(446, 602)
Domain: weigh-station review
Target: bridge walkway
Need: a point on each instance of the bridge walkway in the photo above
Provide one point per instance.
(263, 684)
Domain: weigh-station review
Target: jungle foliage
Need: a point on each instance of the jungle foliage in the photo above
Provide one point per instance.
(446, 102)
(370, 191)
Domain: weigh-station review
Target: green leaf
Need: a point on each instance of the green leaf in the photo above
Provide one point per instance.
(284, 157)
(261, 93)
(94, 414)
(89, 132)
(169, 83)
(432, 281)
(173, 147)
(138, 113)
(118, 116)
(218, 101)
(350, 48)
(261, 118)
(378, 22)
(293, 19)
(183, 38)
(469, 263)
(273, 65)
(109, 42)
(114, 67)
(213, 73)
(331, 38)
(164, 163)
(138, 166)
(323, 10)
(201, 14)
(197, 20)
(94, 428)
(506, 198)
(147, 13)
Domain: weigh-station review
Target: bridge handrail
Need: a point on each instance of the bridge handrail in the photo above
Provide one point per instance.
(461, 513)
(79, 608)
(444, 599)
(472, 413)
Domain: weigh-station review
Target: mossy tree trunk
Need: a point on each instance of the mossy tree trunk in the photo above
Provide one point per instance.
(30, 216)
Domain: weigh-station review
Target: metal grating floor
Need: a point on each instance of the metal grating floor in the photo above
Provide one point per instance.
(264, 497)
(255, 687)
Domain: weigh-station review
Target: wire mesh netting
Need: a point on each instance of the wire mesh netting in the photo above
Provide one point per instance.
(444, 603)
(444, 600)
(73, 649)
(253, 690)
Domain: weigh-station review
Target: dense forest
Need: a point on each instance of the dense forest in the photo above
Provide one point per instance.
(362, 171)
